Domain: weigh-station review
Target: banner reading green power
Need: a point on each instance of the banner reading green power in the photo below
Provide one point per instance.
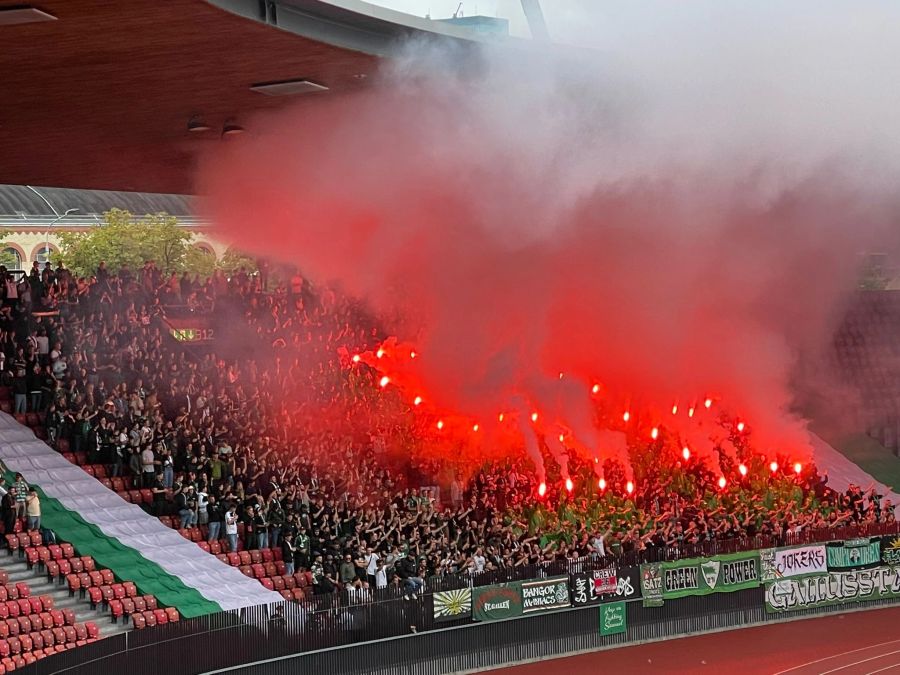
(613, 618)
(719, 574)
(490, 603)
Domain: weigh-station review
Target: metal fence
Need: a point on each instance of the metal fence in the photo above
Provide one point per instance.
(390, 633)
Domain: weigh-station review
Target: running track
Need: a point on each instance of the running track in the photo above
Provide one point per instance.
(859, 643)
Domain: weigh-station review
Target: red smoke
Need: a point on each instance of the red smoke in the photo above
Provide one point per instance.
(516, 225)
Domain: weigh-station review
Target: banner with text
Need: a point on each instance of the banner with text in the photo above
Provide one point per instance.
(853, 554)
(890, 550)
(545, 594)
(652, 585)
(606, 585)
(613, 618)
(490, 603)
(833, 588)
(450, 605)
(719, 574)
(797, 561)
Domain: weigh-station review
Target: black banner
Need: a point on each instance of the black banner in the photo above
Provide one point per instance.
(606, 585)
(890, 550)
(853, 554)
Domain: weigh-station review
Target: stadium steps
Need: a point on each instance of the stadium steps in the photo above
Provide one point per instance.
(18, 571)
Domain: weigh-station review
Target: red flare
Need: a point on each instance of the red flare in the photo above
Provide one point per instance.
(773, 466)
(626, 416)
(534, 417)
(601, 484)
(798, 468)
(417, 400)
(629, 487)
(356, 358)
(708, 403)
(743, 469)
(500, 417)
(560, 376)
(686, 452)
(569, 485)
(413, 354)
(379, 353)
(542, 489)
(440, 424)
(474, 427)
(384, 381)
(690, 412)
(722, 482)
(740, 426)
(562, 438)
(674, 409)
(654, 432)
(595, 389)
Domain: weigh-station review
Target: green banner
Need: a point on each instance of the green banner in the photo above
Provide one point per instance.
(853, 554)
(450, 605)
(651, 585)
(834, 588)
(490, 603)
(613, 618)
(719, 574)
(545, 594)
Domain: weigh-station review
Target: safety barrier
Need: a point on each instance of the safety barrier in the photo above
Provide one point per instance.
(479, 626)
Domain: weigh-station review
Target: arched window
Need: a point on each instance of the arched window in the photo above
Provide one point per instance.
(11, 258)
(43, 253)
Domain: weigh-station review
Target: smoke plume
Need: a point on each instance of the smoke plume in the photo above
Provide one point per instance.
(673, 209)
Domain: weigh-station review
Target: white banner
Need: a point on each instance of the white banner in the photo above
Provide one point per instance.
(783, 563)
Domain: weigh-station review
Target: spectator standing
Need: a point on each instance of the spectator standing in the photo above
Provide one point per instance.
(20, 487)
(148, 468)
(216, 517)
(231, 528)
(288, 552)
(33, 510)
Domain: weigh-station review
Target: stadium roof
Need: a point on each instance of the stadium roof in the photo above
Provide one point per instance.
(25, 201)
(99, 94)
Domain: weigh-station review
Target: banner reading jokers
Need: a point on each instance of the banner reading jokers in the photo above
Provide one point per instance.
(797, 561)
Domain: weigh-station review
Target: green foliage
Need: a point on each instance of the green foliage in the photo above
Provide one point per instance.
(124, 240)
(8, 259)
(234, 260)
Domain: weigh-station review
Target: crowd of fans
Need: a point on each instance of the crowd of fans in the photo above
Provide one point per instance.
(269, 435)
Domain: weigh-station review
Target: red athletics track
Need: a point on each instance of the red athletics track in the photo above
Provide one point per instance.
(858, 643)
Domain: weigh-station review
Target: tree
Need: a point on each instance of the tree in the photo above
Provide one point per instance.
(124, 240)
(233, 260)
(8, 259)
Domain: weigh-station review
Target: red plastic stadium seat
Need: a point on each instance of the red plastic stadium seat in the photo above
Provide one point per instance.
(59, 635)
(172, 614)
(26, 642)
(58, 618)
(255, 557)
(32, 556)
(127, 606)
(138, 621)
(99, 471)
(24, 625)
(245, 557)
(139, 604)
(267, 556)
(12, 608)
(246, 570)
(290, 582)
(151, 601)
(14, 645)
(150, 618)
(69, 615)
(88, 563)
(95, 595)
(147, 496)
(130, 589)
(161, 617)
(280, 568)
(68, 551)
(71, 635)
(106, 482)
(107, 593)
(117, 484)
(88, 469)
(203, 545)
(37, 606)
(80, 458)
(77, 565)
(258, 570)
(285, 594)
(134, 496)
(278, 583)
(297, 594)
(92, 629)
(234, 559)
(52, 570)
(12, 626)
(270, 569)
(215, 547)
(108, 578)
(268, 583)
(118, 591)
(96, 578)
(12, 542)
(116, 609)
(276, 553)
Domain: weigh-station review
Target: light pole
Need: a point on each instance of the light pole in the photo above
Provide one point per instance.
(49, 227)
